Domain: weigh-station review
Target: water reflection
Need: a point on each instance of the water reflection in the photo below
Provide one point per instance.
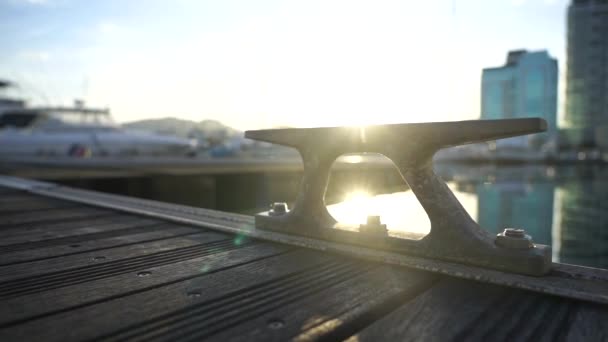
(566, 208)
(517, 205)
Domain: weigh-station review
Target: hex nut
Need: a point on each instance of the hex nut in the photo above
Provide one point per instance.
(514, 232)
(514, 239)
(278, 209)
(373, 226)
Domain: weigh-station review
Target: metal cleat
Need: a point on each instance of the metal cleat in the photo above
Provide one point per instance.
(454, 235)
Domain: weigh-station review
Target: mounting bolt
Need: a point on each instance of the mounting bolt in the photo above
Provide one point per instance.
(514, 238)
(373, 226)
(278, 209)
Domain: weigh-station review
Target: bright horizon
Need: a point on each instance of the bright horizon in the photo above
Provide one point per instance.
(273, 63)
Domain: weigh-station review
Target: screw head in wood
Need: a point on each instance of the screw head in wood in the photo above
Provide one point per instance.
(276, 324)
(194, 293)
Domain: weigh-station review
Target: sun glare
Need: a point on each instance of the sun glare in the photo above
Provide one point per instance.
(357, 196)
(400, 211)
(354, 209)
(390, 207)
(352, 159)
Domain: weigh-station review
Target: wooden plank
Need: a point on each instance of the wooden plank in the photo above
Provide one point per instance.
(55, 280)
(22, 203)
(588, 323)
(71, 265)
(34, 207)
(106, 305)
(42, 231)
(468, 311)
(521, 316)
(55, 215)
(20, 196)
(83, 234)
(310, 310)
(8, 191)
(23, 196)
(5, 192)
(305, 292)
(438, 314)
(126, 238)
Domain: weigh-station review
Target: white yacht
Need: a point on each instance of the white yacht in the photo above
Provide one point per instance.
(6, 102)
(77, 132)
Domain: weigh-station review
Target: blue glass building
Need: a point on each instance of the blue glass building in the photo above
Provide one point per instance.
(526, 86)
(587, 64)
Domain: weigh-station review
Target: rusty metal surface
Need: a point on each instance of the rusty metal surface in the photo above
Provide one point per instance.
(454, 235)
(570, 281)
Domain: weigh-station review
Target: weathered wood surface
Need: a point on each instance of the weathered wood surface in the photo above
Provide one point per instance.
(71, 272)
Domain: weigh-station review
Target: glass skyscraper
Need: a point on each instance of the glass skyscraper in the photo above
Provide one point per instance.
(526, 86)
(587, 64)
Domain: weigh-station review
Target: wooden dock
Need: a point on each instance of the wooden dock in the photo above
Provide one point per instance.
(75, 270)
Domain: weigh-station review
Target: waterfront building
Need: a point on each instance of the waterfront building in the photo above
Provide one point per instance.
(587, 65)
(526, 86)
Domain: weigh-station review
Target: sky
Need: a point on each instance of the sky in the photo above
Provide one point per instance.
(269, 63)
